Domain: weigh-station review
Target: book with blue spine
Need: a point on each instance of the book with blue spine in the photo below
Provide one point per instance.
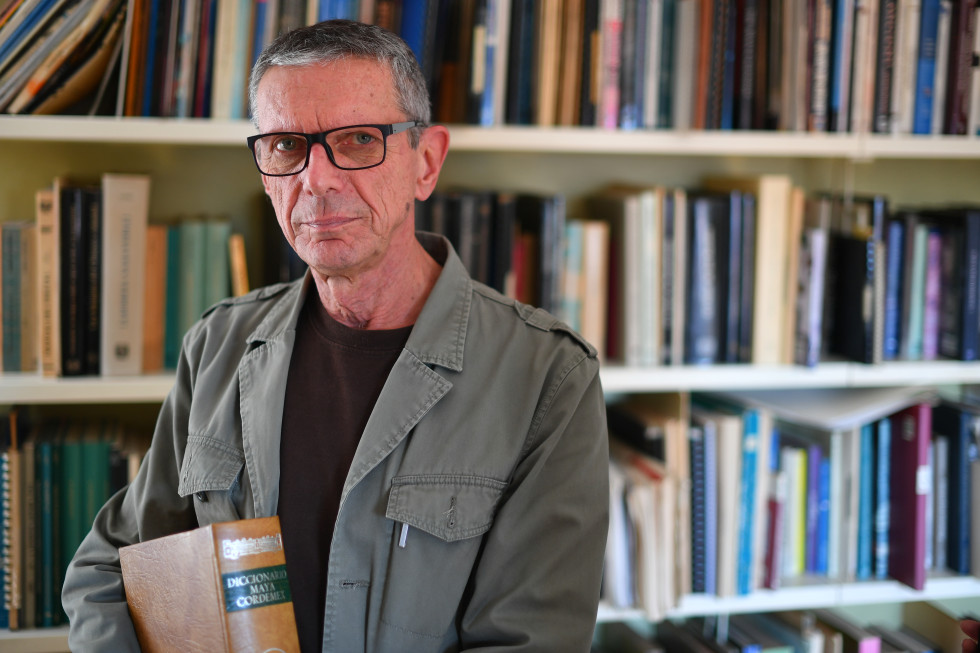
(814, 458)
(895, 248)
(882, 517)
(823, 519)
(925, 76)
(747, 503)
(865, 541)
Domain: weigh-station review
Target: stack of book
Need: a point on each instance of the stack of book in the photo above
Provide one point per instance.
(889, 66)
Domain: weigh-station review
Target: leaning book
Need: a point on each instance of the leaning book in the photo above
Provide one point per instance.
(217, 588)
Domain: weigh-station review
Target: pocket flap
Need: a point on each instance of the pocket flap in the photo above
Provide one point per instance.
(449, 506)
(208, 465)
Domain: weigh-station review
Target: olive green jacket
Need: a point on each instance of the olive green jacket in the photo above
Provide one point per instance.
(488, 441)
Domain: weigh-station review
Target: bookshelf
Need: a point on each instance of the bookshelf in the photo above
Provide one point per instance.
(203, 165)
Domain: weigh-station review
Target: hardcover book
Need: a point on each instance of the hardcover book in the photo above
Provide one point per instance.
(221, 587)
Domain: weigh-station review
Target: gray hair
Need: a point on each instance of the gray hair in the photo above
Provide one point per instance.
(335, 40)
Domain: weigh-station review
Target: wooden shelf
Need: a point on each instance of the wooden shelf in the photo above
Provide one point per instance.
(518, 139)
(35, 389)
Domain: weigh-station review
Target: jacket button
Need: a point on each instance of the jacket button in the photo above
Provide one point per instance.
(202, 497)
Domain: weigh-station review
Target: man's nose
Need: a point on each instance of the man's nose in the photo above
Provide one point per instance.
(321, 174)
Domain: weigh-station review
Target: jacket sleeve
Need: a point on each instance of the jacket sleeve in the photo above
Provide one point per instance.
(538, 581)
(93, 595)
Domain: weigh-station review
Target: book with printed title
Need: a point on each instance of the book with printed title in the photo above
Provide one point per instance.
(221, 587)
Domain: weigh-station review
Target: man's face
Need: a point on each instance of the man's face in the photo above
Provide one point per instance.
(341, 222)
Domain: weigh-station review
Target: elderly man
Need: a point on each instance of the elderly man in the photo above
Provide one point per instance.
(436, 452)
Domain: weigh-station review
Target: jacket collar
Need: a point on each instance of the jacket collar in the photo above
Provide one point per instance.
(439, 334)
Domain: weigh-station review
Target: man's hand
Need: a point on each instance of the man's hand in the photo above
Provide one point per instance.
(972, 629)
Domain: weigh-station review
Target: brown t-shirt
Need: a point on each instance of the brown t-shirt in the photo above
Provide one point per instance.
(335, 376)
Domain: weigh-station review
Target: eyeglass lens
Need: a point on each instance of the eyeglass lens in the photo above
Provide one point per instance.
(353, 148)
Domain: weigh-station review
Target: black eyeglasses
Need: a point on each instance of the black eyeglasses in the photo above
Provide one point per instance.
(280, 154)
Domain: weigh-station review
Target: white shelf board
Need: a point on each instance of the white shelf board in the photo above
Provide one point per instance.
(808, 594)
(35, 389)
(517, 139)
(750, 377)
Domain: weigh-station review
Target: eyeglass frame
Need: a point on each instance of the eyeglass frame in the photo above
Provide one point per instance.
(390, 129)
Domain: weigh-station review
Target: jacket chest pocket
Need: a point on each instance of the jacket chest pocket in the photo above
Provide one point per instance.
(439, 521)
(212, 472)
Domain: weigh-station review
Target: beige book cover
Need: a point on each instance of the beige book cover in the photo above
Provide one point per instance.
(217, 588)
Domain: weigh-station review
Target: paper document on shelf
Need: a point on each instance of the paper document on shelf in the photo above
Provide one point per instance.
(834, 408)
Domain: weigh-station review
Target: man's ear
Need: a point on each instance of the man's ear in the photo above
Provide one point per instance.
(432, 150)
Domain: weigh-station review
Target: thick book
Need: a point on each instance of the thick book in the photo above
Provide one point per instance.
(221, 587)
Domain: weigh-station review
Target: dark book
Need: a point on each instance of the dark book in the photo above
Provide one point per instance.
(699, 471)
(590, 57)
(881, 121)
(959, 302)
(853, 262)
(74, 278)
(542, 219)
(911, 434)
(92, 308)
(746, 49)
(502, 243)
(520, 63)
(960, 67)
(961, 424)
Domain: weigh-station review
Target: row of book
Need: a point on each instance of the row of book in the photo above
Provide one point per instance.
(892, 66)
(91, 287)
(922, 628)
(732, 270)
(56, 475)
(736, 493)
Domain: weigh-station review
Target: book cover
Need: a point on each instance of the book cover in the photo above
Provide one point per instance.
(911, 435)
(225, 590)
(124, 246)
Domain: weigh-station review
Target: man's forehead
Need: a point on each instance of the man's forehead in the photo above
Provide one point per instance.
(346, 89)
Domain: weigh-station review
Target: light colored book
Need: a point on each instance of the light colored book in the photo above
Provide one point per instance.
(49, 281)
(125, 215)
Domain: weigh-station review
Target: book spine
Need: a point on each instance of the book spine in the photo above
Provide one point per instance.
(126, 204)
(10, 290)
(925, 77)
(746, 507)
(866, 504)
(92, 324)
(881, 122)
(49, 281)
(73, 277)
(882, 519)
